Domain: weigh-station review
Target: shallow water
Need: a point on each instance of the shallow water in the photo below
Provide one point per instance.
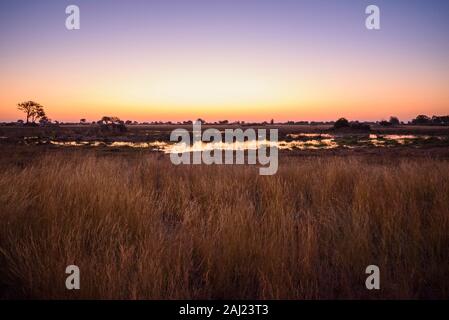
(310, 135)
(299, 141)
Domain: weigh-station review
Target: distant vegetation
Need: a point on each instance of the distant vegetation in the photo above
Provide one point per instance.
(112, 124)
(394, 121)
(425, 120)
(343, 123)
(33, 112)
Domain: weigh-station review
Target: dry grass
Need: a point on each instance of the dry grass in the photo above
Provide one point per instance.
(139, 227)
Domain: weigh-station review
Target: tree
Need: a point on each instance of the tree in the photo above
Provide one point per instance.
(110, 120)
(44, 120)
(33, 111)
(440, 120)
(105, 120)
(112, 123)
(341, 123)
(394, 121)
(421, 119)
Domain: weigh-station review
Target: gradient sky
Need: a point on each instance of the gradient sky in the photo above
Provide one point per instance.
(229, 59)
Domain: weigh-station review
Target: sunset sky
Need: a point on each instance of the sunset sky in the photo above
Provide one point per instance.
(229, 59)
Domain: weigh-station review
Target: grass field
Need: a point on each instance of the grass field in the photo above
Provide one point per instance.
(139, 227)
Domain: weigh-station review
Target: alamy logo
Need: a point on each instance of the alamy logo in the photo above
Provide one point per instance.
(373, 20)
(373, 280)
(73, 22)
(72, 282)
(207, 147)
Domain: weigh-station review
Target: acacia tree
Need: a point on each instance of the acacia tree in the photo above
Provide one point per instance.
(110, 120)
(112, 123)
(33, 111)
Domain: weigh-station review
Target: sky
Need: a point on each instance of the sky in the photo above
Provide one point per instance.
(230, 59)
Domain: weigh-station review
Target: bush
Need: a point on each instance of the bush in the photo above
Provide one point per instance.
(421, 119)
(113, 128)
(341, 123)
(394, 121)
(360, 126)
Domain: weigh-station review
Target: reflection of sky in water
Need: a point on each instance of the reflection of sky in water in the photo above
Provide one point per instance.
(309, 135)
(381, 140)
(305, 141)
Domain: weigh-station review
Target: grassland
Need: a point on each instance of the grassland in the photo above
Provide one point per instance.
(141, 228)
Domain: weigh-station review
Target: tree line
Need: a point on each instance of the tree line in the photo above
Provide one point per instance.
(34, 112)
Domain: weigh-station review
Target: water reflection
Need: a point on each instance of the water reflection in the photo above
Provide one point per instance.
(157, 145)
(206, 146)
(297, 141)
(309, 135)
(382, 140)
(309, 144)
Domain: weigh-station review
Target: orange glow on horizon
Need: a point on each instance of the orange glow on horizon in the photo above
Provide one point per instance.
(248, 90)
(154, 60)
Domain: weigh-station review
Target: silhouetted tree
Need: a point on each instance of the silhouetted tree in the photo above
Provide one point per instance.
(33, 111)
(421, 119)
(44, 120)
(394, 121)
(341, 123)
(105, 120)
(440, 120)
(112, 123)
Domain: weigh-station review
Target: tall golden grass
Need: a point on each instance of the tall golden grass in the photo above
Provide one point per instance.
(141, 228)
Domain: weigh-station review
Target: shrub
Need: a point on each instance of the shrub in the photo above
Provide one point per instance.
(341, 123)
